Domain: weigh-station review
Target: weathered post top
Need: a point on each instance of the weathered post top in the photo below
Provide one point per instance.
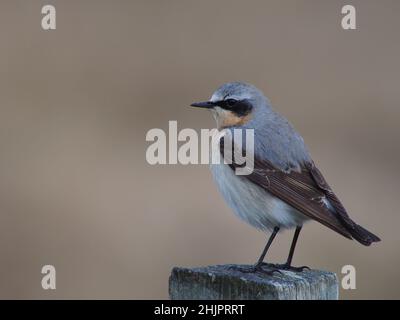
(221, 282)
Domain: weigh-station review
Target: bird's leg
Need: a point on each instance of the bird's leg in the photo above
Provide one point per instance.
(288, 264)
(258, 266)
(260, 261)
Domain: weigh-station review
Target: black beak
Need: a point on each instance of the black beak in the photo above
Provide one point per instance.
(205, 104)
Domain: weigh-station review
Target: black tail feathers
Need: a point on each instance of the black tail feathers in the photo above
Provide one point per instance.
(362, 235)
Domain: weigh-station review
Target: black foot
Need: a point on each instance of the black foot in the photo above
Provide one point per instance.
(257, 268)
(267, 265)
(288, 267)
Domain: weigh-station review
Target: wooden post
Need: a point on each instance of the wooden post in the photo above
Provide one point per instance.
(222, 283)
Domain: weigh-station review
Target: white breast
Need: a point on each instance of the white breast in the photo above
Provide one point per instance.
(251, 203)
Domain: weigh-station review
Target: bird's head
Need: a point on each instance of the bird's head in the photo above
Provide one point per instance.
(233, 104)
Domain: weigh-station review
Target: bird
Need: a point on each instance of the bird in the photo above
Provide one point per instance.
(285, 189)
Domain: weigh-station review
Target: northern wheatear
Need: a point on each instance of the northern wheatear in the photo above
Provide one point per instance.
(285, 189)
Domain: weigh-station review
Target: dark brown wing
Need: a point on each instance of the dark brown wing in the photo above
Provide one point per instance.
(305, 191)
(297, 189)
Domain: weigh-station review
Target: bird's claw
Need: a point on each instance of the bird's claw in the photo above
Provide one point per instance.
(288, 267)
(268, 268)
(257, 268)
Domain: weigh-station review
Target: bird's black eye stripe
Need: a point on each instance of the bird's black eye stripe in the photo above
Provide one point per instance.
(228, 103)
(239, 107)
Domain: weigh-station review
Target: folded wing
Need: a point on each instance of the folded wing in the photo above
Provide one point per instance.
(307, 191)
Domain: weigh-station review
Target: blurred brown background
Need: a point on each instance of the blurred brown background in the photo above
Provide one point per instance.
(76, 103)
